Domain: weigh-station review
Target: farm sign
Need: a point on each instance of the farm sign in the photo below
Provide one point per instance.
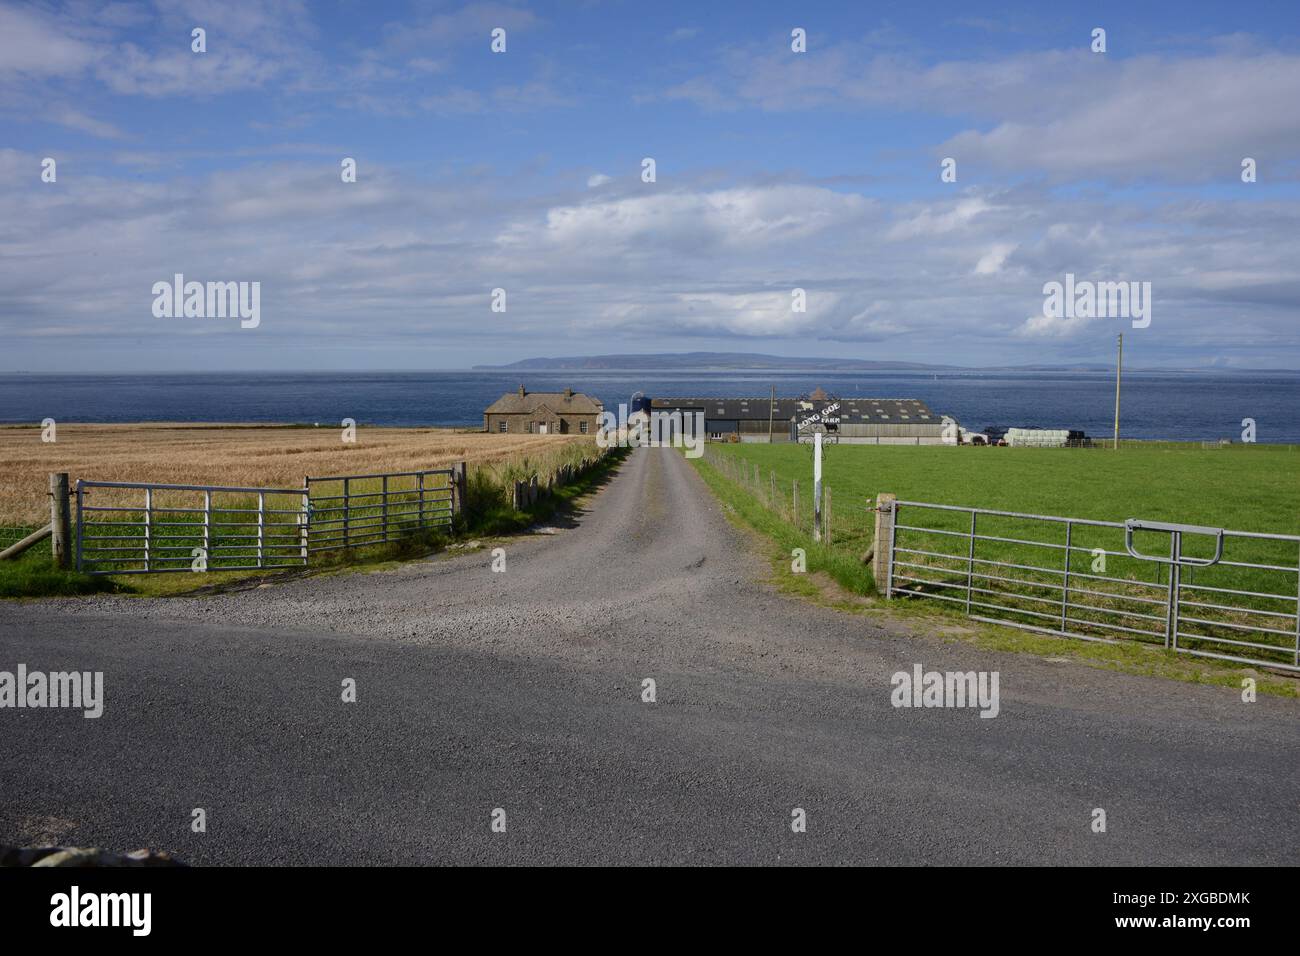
(826, 416)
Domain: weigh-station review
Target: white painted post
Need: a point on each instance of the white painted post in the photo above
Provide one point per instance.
(304, 520)
(817, 486)
(148, 527)
(81, 528)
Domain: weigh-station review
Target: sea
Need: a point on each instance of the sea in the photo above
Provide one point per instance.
(1176, 406)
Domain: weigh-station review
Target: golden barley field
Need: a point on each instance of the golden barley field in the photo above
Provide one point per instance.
(240, 455)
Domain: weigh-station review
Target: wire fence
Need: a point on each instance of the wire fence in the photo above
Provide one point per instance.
(843, 525)
(12, 534)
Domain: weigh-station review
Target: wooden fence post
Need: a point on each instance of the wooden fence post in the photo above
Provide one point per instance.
(458, 493)
(60, 518)
(883, 540)
(826, 513)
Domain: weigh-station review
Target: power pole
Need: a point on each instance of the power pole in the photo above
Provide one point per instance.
(1119, 365)
(771, 415)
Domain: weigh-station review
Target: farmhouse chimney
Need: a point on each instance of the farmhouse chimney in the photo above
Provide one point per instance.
(521, 391)
(568, 394)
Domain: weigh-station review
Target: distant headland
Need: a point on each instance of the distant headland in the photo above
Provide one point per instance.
(749, 361)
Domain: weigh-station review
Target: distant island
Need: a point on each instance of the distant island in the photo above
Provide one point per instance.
(748, 361)
(714, 360)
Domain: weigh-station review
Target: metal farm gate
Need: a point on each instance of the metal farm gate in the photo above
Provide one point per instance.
(141, 528)
(1209, 592)
(351, 511)
(145, 528)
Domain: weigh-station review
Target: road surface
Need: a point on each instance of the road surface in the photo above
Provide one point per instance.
(522, 690)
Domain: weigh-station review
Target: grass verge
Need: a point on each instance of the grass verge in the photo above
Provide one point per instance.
(837, 578)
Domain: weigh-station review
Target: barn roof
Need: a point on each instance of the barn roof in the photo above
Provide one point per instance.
(851, 410)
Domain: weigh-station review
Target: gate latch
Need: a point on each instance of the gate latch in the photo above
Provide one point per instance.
(1133, 524)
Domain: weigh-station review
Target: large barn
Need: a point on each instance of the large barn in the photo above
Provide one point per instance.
(861, 421)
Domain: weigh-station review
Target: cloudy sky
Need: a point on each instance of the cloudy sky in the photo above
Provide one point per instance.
(522, 170)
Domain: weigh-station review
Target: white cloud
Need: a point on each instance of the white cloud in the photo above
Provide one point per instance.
(939, 219)
(405, 264)
(1065, 112)
(727, 218)
(37, 45)
(75, 119)
(991, 263)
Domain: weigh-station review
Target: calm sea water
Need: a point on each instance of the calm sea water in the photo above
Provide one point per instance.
(1176, 406)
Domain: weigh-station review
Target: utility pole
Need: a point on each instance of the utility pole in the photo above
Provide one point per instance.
(771, 415)
(1119, 365)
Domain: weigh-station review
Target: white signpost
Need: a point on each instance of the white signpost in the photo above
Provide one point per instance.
(817, 485)
(817, 422)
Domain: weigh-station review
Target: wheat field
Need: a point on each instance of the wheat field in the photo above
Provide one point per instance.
(241, 455)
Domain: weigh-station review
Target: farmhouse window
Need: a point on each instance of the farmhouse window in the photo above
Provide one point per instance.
(504, 426)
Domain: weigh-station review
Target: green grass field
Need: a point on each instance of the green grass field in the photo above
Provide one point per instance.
(1254, 488)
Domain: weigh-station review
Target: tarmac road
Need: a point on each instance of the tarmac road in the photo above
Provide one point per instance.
(522, 691)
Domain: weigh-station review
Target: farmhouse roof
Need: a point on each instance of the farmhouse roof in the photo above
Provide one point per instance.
(561, 403)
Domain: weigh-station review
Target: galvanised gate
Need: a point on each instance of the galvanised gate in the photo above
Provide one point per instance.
(1209, 592)
(146, 528)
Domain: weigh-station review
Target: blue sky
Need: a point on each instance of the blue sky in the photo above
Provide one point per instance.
(521, 170)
